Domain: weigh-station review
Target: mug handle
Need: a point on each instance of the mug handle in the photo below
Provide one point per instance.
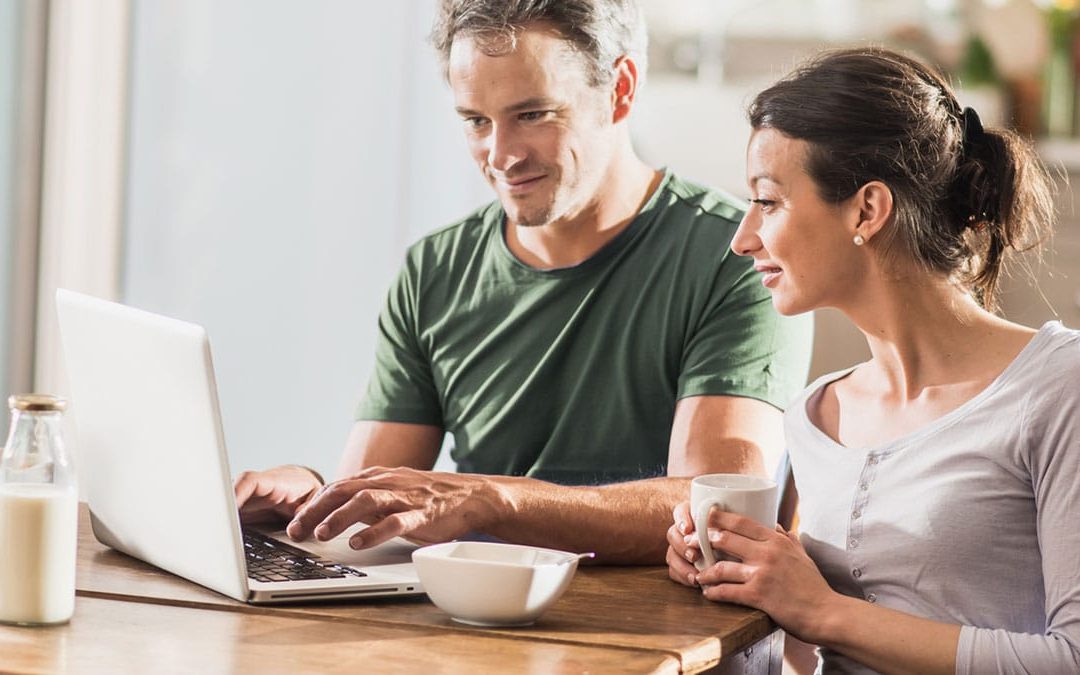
(701, 525)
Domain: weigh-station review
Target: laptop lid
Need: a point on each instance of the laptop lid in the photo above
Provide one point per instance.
(152, 462)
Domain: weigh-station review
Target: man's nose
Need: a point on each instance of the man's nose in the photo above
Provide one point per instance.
(505, 149)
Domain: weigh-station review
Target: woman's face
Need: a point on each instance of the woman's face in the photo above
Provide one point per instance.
(801, 244)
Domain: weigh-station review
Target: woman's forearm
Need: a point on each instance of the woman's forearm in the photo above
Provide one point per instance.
(886, 640)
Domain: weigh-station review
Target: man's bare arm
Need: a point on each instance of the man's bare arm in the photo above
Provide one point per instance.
(275, 495)
(623, 523)
(627, 522)
(390, 444)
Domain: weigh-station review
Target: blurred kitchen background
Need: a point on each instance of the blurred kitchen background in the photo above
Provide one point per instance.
(260, 167)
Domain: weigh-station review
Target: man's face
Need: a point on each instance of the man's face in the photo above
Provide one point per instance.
(541, 134)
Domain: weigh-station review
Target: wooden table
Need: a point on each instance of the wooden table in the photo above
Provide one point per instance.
(132, 617)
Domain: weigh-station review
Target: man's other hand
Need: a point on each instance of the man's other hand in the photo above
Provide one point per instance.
(424, 506)
(274, 495)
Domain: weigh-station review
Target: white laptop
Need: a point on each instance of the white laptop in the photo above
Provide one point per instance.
(153, 468)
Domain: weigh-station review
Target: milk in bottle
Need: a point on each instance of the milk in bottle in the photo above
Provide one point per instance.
(38, 516)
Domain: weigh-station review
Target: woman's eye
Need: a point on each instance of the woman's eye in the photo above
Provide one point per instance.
(765, 204)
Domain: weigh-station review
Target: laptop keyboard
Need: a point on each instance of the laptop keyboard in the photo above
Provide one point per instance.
(269, 559)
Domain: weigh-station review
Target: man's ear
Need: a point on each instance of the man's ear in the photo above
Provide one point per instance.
(873, 204)
(624, 89)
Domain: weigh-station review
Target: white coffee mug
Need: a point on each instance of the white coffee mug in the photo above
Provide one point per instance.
(732, 492)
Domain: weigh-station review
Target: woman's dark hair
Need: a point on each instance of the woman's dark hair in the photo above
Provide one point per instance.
(963, 197)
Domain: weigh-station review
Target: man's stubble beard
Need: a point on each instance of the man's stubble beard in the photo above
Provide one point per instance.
(535, 220)
(537, 216)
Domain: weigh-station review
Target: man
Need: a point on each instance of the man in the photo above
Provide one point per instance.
(588, 339)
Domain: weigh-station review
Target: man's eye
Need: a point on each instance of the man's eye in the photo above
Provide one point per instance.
(475, 122)
(533, 115)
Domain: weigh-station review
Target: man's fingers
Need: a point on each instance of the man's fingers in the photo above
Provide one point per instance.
(252, 484)
(255, 500)
(366, 506)
(395, 525)
(321, 506)
(244, 487)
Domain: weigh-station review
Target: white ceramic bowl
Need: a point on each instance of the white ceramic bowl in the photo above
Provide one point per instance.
(491, 584)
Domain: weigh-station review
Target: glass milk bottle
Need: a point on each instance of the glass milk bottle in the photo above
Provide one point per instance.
(38, 516)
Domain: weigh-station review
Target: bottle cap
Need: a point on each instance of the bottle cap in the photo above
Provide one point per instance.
(37, 403)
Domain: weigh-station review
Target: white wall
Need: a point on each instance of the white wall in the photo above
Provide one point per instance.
(8, 71)
(82, 167)
(282, 155)
(22, 61)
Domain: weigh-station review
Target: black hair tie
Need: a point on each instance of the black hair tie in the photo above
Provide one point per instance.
(975, 136)
(973, 130)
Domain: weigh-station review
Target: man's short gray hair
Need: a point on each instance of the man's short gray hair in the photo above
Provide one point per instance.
(600, 30)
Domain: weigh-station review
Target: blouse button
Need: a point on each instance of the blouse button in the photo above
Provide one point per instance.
(872, 598)
(856, 572)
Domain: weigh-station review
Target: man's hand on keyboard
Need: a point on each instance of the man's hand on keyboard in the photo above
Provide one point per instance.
(423, 506)
(274, 495)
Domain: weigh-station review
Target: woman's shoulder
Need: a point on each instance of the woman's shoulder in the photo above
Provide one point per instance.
(1060, 339)
(802, 412)
(1053, 355)
(1049, 397)
(1043, 379)
(823, 381)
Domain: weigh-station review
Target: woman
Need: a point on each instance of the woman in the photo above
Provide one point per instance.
(938, 481)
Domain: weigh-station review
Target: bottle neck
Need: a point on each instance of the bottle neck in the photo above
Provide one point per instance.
(34, 451)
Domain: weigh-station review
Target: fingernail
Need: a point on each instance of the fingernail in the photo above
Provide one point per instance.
(689, 555)
(692, 578)
(688, 538)
(321, 531)
(714, 535)
(682, 526)
(356, 543)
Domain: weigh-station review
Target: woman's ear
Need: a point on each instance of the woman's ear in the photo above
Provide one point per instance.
(874, 206)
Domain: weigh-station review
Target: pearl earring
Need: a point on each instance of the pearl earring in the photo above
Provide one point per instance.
(859, 241)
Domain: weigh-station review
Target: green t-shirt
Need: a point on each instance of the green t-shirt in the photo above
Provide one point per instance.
(572, 375)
